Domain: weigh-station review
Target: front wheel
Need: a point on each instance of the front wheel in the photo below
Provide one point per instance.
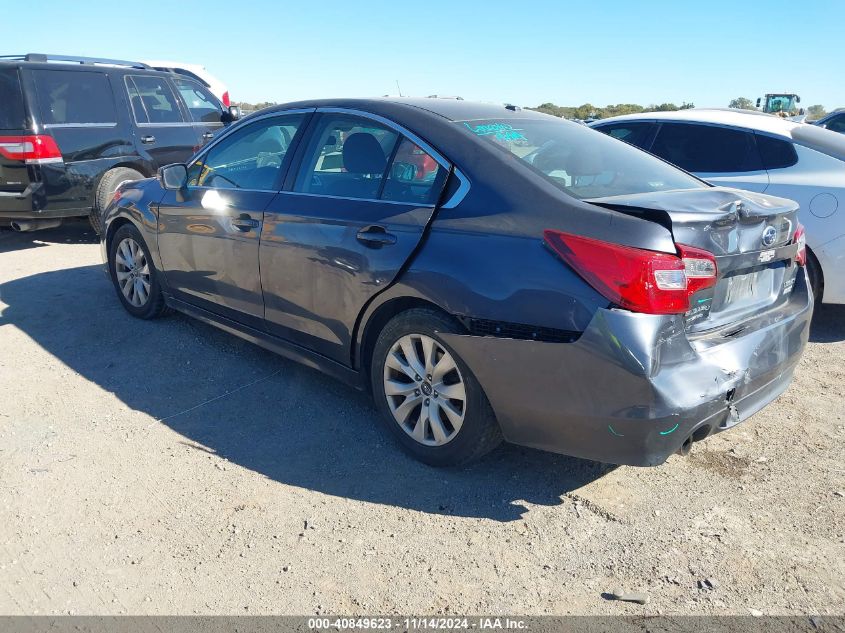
(134, 275)
(428, 396)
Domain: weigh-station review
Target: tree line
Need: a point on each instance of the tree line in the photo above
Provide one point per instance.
(589, 111)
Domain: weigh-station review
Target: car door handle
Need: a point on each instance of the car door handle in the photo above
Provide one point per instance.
(149, 138)
(244, 223)
(208, 136)
(375, 236)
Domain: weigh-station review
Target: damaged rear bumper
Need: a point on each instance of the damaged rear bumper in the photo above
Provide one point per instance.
(634, 388)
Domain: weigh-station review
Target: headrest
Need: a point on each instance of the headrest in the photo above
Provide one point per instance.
(362, 154)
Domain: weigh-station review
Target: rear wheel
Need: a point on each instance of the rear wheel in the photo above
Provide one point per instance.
(428, 397)
(105, 192)
(134, 275)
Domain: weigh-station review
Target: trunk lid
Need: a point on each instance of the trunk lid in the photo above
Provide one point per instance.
(750, 234)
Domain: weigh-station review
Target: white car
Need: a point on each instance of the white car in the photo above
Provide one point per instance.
(195, 71)
(764, 153)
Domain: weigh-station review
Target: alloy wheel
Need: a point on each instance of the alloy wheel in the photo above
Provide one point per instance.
(132, 272)
(425, 390)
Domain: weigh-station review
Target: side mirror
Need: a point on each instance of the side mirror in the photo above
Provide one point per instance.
(758, 103)
(233, 113)
(797, 99)
(801, 112)
(173, 177)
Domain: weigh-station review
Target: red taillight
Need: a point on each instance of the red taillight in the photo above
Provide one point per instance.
(37, 149)
(801, 239)
(634, 278)
(226, 101)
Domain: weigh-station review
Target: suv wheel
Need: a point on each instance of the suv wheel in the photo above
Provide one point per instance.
(427, 395)
(105, 192)
(134, 275)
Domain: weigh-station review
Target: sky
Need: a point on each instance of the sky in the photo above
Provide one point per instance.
(521, 52)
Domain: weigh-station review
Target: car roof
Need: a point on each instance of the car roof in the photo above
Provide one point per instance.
(750, 119)
(450, 109)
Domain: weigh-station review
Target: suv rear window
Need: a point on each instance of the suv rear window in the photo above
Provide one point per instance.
(74, 97)
(582, 162)
(12, 114)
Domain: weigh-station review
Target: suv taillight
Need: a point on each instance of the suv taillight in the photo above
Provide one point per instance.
(34, 150)
(800, 238)
(226, 101)
(634, 278)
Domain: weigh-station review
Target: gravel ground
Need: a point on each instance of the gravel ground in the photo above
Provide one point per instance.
(167, 467)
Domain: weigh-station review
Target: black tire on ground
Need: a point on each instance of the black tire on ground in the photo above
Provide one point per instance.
(814, 271)
(105, 191)
(154, 306)
(478, 435)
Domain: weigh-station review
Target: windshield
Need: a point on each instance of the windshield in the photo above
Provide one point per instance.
(584, 163)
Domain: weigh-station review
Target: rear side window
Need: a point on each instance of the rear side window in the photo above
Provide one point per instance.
(12, 114)
(414, 176)
(776, 153)
(707, 148)
(74, 98)
(347, 158)
(152, 100)
(204, 108)
(638, 134)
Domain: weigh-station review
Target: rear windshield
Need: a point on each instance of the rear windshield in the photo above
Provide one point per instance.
(12, 114)
(821, 140)
(582, 162)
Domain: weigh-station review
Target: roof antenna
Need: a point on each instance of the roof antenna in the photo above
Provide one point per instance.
(399, 89)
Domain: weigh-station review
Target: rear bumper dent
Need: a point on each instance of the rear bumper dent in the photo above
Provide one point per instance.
(634, 388)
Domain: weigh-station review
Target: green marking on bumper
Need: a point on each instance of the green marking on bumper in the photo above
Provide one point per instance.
(672, 430)
(610, 428)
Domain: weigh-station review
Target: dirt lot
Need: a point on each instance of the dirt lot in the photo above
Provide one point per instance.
(167, 467)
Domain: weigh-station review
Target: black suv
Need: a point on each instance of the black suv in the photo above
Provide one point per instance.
(73, 128)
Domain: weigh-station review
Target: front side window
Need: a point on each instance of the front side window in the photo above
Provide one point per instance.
(202, 105)
(152, 100)
(249, 158)
(347, 157)
(74, 98)
(707, 148)
(582, 162)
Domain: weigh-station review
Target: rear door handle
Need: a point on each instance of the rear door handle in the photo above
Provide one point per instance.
(149, 138)
(244, 223)
(375, 236)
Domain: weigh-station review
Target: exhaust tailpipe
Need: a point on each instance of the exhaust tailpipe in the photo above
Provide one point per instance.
(686, 447)
(35, 225)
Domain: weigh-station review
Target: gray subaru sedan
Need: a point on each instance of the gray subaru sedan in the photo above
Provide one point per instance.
(488, 273)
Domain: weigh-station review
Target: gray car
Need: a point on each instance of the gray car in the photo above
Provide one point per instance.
(488, 273)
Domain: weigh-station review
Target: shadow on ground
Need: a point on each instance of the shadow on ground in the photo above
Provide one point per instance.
(828, 324)
(287, 422)
(72, 231)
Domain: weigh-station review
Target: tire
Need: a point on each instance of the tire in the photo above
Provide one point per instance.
(814, 272)
(454, 431)
(105, 192)
(140, 292)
